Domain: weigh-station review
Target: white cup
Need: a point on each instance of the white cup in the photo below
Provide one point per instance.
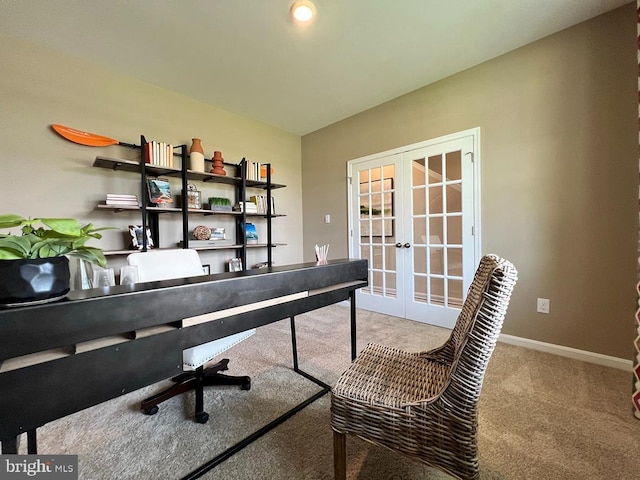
(128, 275)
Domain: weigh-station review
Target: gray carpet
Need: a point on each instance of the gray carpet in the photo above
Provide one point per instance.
(541, 416)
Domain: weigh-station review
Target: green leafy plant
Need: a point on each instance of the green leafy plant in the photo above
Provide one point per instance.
(221, 201)
(364, 210)
(49, 237)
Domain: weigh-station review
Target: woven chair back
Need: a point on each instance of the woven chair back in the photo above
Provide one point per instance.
(476, 332)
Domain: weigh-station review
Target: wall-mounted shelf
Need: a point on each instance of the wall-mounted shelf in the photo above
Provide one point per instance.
(114, 253)
(150, 214)
(154, 170)
(195, 211)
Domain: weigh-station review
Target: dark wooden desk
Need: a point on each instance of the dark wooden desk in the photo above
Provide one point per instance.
(95, 345)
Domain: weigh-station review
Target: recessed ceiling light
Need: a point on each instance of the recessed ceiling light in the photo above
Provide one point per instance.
(303, 11)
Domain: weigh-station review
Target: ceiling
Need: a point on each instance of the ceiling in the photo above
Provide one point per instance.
(249, 58)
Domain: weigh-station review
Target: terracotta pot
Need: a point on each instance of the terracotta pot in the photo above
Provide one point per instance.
(217, 164)
(37, 280)
(196, 156)
(196, 146)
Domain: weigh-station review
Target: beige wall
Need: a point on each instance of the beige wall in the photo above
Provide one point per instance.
(559, 163)
(558, 174)
(45, 175)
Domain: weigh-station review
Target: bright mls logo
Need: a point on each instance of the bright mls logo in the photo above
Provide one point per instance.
(50, 467)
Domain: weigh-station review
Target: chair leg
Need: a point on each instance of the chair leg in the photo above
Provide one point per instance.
(201, 416)
(196, 380)
(211, 379)
(150, 405)
(339, 456)
(294, 344)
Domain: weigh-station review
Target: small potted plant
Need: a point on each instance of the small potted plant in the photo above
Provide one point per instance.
(220, 204)
(34, 267)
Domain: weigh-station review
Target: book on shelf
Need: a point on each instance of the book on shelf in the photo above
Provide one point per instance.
(253, 171)
(160, 192)
(122, 195)
(122, 199)
(251, 233)
(159, 154)
(217, 234)
(128, 203)
(261, 202)
(249, 207)
(207, 243)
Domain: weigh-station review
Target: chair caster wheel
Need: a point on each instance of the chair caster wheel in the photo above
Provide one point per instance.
(202, 417)
(246, 386)
(151, 410)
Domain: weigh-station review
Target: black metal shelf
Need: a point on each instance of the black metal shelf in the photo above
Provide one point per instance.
(195, 211)
(114, 253)
(150, 214)
(156, 170)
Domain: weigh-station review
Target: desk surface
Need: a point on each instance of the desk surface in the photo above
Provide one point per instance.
(89, 314)
(100, 357)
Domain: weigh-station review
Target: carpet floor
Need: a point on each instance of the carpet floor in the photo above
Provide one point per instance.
(541, 416)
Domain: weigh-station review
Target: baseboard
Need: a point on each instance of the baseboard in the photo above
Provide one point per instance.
(583, 355)
(569, 352)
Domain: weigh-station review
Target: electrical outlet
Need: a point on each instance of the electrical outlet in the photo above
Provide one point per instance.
(543, 305)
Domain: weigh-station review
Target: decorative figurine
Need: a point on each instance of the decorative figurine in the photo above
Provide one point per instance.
(201, 233)
(217, 167)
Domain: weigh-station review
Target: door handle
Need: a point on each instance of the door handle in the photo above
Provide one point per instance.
(398, 245)
(407, 245)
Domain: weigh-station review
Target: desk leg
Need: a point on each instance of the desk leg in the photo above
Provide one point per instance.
(32, 445)
(294, 344)
(352, 299)
(10, 447)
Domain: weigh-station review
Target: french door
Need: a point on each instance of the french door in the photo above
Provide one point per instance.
(414, 217)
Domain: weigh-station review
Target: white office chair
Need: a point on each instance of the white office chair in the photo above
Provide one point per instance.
(181, 263)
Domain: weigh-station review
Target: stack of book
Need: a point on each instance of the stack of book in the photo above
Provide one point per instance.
(261, 202)
(253, 171)
(206, 243)
(248, 207)
(159, 154)
(118, 199)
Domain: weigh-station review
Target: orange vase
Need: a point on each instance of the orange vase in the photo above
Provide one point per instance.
(196, 146)
(217, 164)
(196, 156)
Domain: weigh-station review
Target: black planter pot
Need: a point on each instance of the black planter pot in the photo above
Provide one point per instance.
(37, 280)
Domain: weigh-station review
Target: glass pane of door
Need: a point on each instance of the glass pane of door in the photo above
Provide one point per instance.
(376, 227)
(436, 280)
(439, 188)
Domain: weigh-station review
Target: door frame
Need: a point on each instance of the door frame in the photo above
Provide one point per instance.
(474, 133)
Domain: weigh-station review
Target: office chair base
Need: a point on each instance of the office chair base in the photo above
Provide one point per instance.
(201, 417)
(196, 380)
(151, 411)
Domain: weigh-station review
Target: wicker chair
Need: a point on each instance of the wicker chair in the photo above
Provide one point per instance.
(424, 405)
